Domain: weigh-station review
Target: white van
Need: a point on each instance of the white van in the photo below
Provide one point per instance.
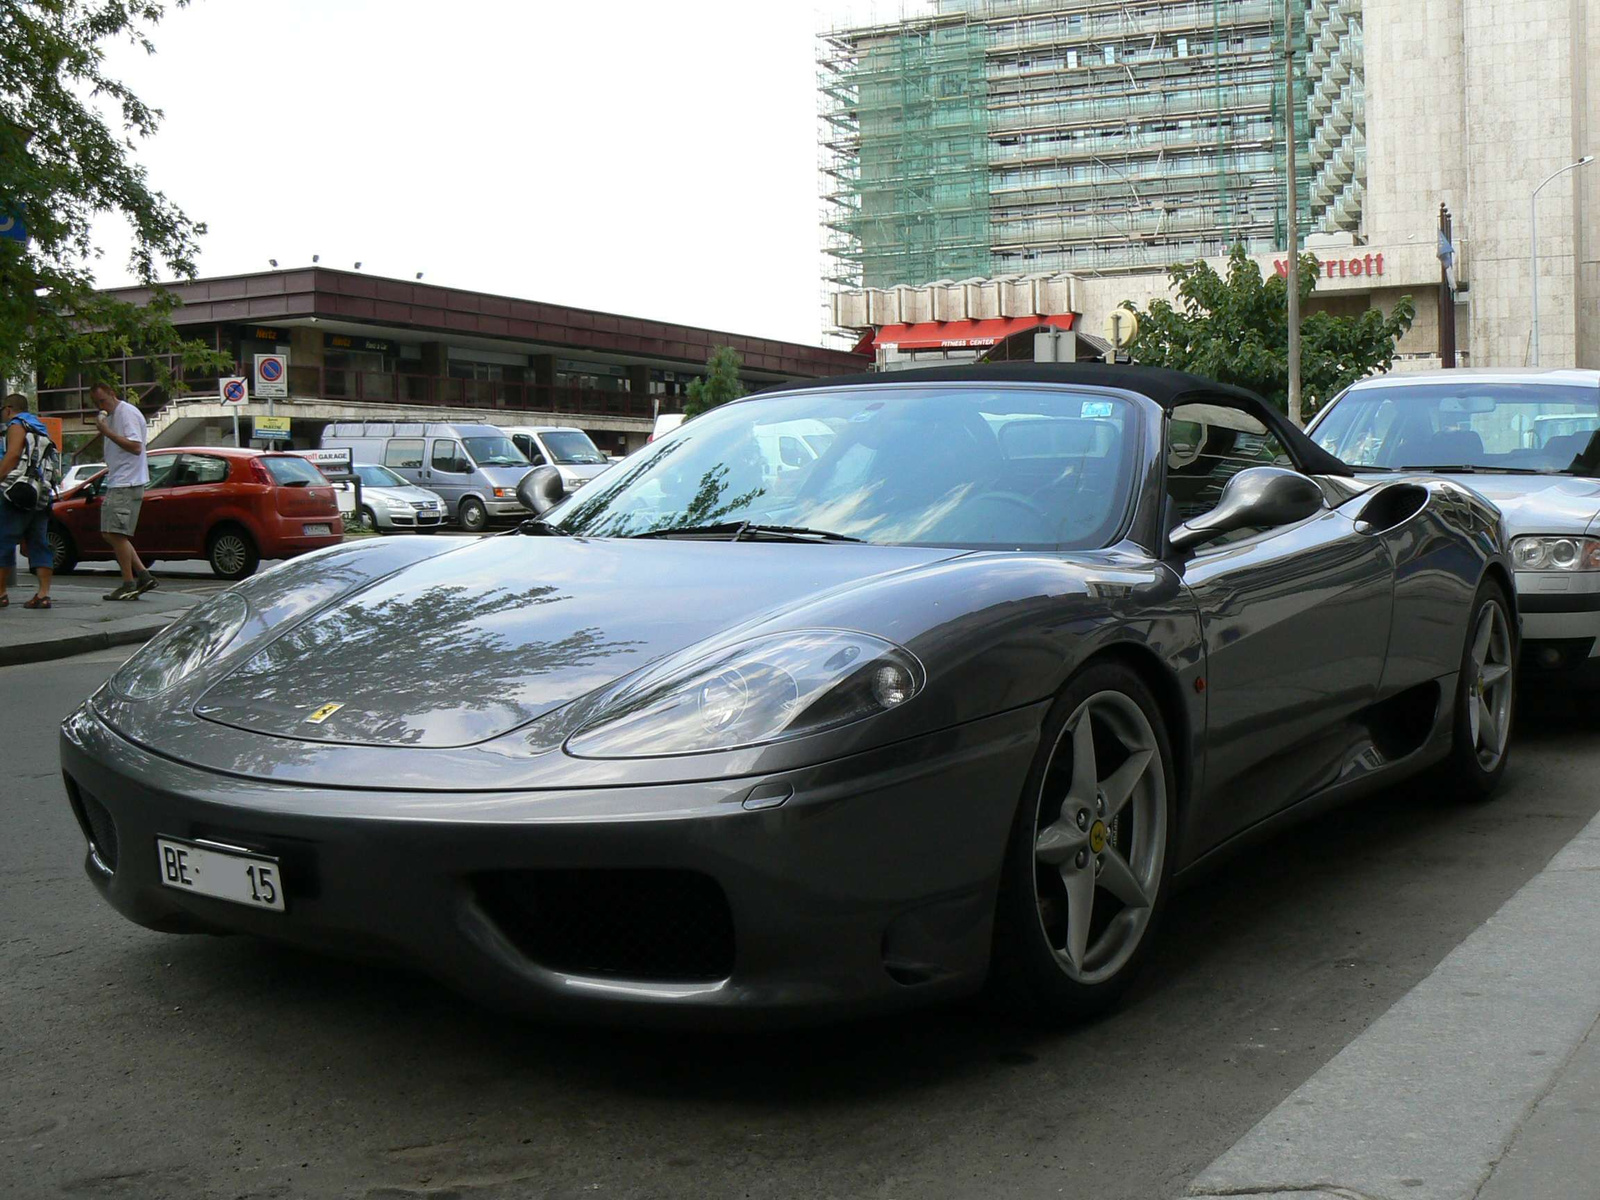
(569, 450)
(474, 469)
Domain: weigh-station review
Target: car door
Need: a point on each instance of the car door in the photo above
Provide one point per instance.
(449, 471)
(1296, 624)
(152, 535)
(195, 491)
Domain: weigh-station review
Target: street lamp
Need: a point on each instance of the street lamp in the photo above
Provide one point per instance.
(1533, 226)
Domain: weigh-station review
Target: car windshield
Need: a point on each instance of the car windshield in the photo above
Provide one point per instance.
(494, 452)
(980, 466)
(294, 472)
(1467, 425)
(372, 475)
(571, 446)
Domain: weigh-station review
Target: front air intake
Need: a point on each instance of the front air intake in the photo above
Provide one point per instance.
(96, 824)
(652, 925)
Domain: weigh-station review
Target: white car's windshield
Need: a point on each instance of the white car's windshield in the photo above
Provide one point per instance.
(372, 475)
(1470, 426)
(989, 466)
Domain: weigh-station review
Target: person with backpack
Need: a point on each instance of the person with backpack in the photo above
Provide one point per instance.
(30, 469)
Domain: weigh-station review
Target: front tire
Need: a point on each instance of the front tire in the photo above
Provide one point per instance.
(473, 516)
(1090, 855)
(368, 520)
(232, 553)
(1486, 692)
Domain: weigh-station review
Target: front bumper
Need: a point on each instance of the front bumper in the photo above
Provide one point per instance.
(411, 519)
(1560, 627)
(871, 886)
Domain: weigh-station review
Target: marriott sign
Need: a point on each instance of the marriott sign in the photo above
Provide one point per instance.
(1339, 268)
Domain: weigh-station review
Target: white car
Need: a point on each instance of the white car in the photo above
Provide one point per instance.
(1528, 440)
(389, 502)
(78, 473)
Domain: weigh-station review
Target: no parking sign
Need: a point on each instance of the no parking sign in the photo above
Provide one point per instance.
(272, 375)
(235, 390)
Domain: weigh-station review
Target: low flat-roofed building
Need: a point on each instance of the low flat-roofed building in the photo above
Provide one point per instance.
(361, 346)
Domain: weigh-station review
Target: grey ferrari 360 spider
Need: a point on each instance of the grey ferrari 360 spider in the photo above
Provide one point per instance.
(845, 696)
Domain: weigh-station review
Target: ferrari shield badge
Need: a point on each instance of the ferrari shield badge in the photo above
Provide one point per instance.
(322, 713)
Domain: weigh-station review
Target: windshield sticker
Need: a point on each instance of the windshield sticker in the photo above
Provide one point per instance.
(1095, 408)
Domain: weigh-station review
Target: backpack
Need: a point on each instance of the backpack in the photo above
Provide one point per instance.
(39, 475)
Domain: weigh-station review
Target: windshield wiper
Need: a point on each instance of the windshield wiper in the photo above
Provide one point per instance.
(1472, 469)
(748, 531)
(540, 527)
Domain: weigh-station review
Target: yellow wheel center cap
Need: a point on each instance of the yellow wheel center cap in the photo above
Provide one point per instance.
(1097, 836)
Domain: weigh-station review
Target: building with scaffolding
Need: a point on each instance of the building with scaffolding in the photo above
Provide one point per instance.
(988, 137)
(977, 141)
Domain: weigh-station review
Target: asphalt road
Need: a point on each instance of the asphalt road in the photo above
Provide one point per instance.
(139, 1064)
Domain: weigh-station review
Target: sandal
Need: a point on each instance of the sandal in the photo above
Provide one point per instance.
(4, 601)
(38, 602)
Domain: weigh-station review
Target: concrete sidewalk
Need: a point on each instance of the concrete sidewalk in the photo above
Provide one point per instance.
(81, 621)
(1482, 1083)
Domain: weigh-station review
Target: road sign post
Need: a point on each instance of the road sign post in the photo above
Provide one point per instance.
(234, 392)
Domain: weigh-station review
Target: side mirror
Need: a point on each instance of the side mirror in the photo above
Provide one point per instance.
(540, 490)
(1257, 496)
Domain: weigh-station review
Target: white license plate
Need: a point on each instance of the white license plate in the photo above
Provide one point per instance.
(221, 872)
(318, 530)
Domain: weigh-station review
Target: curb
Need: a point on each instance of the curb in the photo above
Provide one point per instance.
(16, 655)
(1428, 1102)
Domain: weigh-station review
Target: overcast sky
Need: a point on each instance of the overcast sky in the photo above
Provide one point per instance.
(653, 159)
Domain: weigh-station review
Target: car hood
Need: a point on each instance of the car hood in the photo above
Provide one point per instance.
(408, 494)
(459, 649)
(1539, 503)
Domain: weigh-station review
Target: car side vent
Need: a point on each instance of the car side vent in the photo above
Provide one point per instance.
(652, 925)
(1391, 506)
(96, 824)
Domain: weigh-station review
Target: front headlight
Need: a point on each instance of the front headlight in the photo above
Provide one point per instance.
(772, 689)
(182, 648)
(1555, 553)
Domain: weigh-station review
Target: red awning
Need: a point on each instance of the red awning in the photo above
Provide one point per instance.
(937, 335)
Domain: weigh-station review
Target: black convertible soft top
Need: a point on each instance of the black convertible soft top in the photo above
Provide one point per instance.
(1166, 387)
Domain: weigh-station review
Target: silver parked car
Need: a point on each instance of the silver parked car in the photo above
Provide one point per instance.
(389, 503)
(1525, 439)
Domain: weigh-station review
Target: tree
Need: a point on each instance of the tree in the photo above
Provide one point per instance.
(61, 165)
(1236, 330)
(720, 384)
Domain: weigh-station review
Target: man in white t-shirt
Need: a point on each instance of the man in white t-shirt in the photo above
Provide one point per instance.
(127, 472)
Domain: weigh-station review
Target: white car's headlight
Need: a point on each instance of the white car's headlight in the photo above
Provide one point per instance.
(1555, 553)
(772, 689)
(181, 648)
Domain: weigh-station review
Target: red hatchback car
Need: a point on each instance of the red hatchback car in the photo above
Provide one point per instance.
(230, 507)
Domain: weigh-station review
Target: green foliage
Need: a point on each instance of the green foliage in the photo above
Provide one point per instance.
(721, 382)
(1236, 330)
(62, 164)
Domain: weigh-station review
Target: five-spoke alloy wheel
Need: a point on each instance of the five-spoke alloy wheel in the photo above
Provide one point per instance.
(1087, 869)
(1485, 694)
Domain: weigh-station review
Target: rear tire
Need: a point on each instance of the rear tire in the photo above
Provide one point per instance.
(1486, 691)
(473, 516)
(232, 553)
(1090, 855)
(63, 552)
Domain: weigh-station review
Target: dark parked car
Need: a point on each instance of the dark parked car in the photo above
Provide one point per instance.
(230, 507)
(1021, 644)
